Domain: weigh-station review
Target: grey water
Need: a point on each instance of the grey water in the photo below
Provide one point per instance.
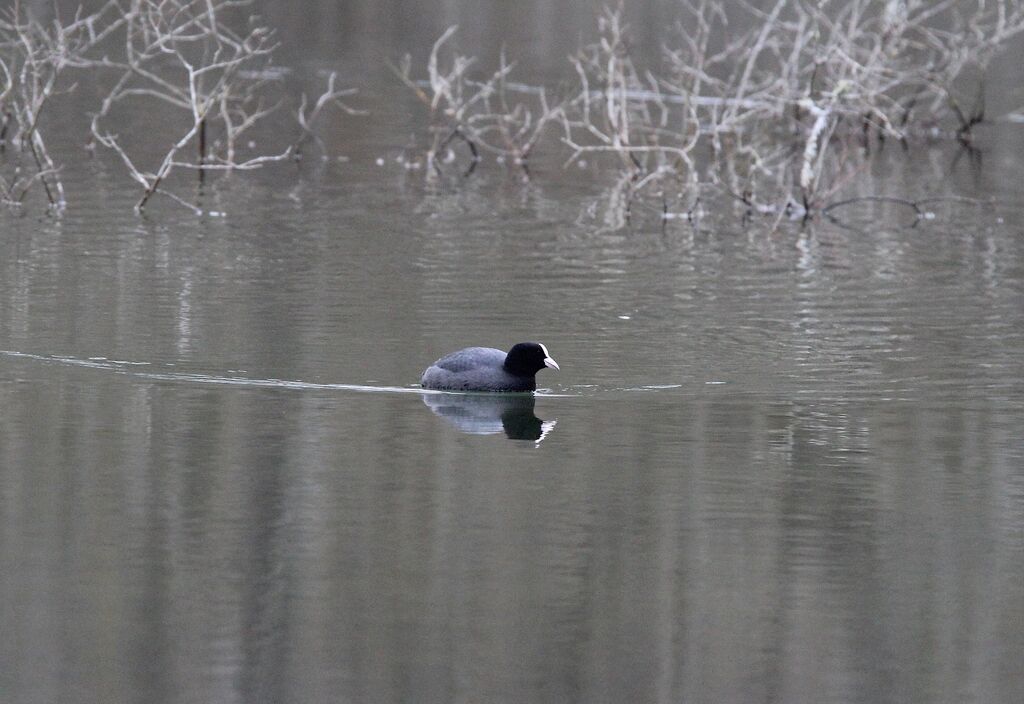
(781, 462)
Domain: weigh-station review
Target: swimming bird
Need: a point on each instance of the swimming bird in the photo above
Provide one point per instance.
(489, 369)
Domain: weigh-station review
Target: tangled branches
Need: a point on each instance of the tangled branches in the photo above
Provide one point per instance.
(183, 61)
(33, 60)
(778, 116)
(776, 105)
(480, 113)
(181, 55)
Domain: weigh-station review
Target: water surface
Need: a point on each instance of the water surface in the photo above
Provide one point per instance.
(779, 463)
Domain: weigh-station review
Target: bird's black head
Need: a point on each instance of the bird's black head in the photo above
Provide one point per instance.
(528, 358)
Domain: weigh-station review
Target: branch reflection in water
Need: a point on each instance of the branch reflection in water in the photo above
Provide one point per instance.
(489, 414)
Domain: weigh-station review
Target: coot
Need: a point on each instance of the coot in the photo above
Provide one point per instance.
(488, 369)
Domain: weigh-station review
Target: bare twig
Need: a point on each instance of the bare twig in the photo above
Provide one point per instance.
(307, 118)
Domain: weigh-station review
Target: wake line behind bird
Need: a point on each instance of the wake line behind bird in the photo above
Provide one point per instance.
(135, 369)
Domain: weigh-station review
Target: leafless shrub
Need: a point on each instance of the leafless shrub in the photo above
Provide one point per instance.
(182, 60)
(779, 116)
(34, 59)
(482, 114)
(181, 54)
(777, 106)
(620, 111)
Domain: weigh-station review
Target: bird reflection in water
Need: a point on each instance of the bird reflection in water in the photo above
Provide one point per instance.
(489, 413)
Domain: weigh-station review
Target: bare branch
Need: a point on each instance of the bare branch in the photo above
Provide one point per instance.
(307, 120)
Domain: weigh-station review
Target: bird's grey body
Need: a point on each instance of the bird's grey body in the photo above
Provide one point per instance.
(488, 369)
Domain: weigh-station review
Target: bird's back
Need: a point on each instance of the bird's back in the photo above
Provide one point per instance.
(471, 358)
(474, 369)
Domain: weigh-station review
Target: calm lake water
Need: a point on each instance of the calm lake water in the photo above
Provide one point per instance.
(779, 464)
